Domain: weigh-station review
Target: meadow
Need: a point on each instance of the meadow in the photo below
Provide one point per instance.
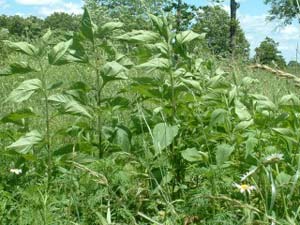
(112, 127)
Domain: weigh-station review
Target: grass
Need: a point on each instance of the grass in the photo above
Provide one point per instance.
(177, 136)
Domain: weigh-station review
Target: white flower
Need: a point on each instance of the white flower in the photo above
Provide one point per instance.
(16, 171)
(273, 158)
(244, 187)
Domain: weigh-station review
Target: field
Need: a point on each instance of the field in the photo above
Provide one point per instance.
(112, 127)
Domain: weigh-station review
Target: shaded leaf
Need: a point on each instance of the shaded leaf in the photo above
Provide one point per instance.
(17, 116)
(223, 153)
(87, 26)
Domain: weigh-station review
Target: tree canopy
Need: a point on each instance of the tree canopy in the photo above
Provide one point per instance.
(285, 10)
(215, 22)
(268, 53)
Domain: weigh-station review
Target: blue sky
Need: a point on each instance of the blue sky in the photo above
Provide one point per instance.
(252, 15)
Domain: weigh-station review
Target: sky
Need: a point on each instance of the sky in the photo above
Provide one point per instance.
(251, 14)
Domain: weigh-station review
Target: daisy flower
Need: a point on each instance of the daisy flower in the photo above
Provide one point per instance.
(243, 188)
(16, 171)
(276, 157)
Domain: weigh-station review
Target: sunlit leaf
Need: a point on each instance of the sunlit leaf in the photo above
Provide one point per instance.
(24, 144)
(23, 47)
(58, 52)
(139, 36)
(163, 136)
(24, 91)
(193, 155)
(188, 36)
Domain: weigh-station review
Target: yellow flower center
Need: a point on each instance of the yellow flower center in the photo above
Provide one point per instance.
(244, 187)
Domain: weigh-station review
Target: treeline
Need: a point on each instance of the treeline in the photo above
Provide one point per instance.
(214, 21)
(33, 27)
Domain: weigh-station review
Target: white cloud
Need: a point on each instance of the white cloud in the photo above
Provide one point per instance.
(47, 7)
(68, 7)
(256, 28)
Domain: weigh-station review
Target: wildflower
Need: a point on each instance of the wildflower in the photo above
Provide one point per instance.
(16, 171)
(244, 187)
(273, 158)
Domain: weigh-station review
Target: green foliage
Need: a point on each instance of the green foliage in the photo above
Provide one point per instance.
(286, 10)
(268, 53)
(215, 23)
(62, 21)
(135, 127)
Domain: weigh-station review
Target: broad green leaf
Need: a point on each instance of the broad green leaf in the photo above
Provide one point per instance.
(47, 36)
(246, 81)
(162, 26)
(283, 178)
(160, 48)
(113, 71)
(242, 111)
(193, 155)
(233, 94)
(69, 105)
(265, 104)
(17, 116)
(290, 99)
(139, 36)
(223, 153)
(87, 26)
(24, 91)
(192, 83)
(188, 36)
(163, 136)
(244, 125)
(218, 117)
(75, 108)
(109, 27)
(156, 63)
(251, 144)
(23, 47)
(122, 139)
(284, 131)
(58, 52)
(24, 144)
(60, 98)
(124, 61)
(17, 68)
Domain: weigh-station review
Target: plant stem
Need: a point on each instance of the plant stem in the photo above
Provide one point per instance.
(98, 100)
(47, 121)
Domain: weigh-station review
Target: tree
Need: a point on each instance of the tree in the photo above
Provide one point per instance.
(29, 28)
(233, 25)
(184, 16)
(268, 53)
(293, 63)
(131, 12)
(215, 22)
(62, 21)
(285, 10)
